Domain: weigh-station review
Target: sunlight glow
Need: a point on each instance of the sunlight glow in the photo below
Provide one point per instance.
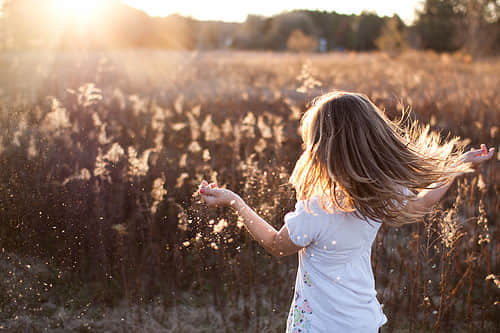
(77, 8)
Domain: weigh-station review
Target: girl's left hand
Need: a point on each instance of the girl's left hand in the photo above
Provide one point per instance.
(478, 156)
(216, 197)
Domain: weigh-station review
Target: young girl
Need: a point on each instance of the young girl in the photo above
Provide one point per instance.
(358, 170)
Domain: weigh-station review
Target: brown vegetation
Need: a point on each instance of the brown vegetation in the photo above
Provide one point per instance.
(100, 154)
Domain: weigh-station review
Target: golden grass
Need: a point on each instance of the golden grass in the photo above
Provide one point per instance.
(100, 154)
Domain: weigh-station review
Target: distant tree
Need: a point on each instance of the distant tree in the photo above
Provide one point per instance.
(249, 34)
(345, 34)
(437, 24)
(324, 23)
(299, 42)
(174, 32)
(336, 29)
(278, 30)
(259, 32)
(479, 30)
(208, 35)
(215, 34)
(449, 25)
(38, 24)
(392, 37)
(368, 30)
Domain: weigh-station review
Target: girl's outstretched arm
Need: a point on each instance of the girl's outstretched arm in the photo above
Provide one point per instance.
(276, 243)
(429, 197)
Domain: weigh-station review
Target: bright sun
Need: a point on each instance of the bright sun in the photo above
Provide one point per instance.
(78, 8)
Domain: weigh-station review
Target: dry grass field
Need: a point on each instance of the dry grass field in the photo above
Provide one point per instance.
(101, 155)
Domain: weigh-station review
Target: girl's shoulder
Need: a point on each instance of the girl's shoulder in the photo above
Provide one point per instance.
(312, 212)
(306, 223)
(310, 223)
(326, 214)
(318, 206)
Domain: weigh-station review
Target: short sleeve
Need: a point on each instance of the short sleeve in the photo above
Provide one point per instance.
(406, 191)
(301, 226)
(402, 191)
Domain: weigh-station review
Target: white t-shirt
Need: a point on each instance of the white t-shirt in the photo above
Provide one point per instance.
(335, 287)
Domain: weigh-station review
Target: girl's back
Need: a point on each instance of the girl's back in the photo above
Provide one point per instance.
(334, 289)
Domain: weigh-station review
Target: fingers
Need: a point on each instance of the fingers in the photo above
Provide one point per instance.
(202, 186)
(216, 197)
(485, 155)
(207, 196)
(205, 186)
(208, 190)
(204, 183)
(211, 197)
(205, 191)
(483, 152)
(490, 153)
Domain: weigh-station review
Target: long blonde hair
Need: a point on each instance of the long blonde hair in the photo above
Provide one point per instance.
(359, 161)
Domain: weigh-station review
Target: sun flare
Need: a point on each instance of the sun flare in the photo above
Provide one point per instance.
(77, 8)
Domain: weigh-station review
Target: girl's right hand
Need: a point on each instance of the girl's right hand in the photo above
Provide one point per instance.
(216, 197)
(477, 156)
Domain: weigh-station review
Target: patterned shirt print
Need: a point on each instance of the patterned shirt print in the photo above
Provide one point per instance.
(299, 320)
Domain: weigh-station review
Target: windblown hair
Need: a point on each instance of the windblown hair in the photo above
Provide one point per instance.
(359, 161)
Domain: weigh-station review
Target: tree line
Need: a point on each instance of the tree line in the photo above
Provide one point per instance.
(441, 25)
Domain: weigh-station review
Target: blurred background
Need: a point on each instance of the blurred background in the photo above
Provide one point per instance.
(112, 112)
(318, 26)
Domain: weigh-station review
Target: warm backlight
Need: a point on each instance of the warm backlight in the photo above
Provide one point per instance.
(77, 8)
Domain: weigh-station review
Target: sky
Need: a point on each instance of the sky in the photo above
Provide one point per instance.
(237, 11)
